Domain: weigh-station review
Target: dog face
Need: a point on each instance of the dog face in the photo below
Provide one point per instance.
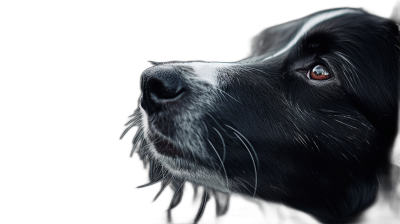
(307, 120)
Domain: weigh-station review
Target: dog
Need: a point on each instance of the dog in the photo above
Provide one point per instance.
(308, 120)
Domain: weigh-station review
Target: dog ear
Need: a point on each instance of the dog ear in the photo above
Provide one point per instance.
(371, 75)
(392, 131)
(396, 13)
(255, 45)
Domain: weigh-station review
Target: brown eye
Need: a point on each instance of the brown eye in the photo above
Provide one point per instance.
(319, 72)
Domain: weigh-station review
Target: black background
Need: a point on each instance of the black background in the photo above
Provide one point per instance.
(104, 49)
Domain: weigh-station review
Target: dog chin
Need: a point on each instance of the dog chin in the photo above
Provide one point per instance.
(187, 170)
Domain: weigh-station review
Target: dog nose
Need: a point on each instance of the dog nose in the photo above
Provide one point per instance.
(160, 84)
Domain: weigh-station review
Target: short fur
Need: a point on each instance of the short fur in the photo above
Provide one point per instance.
(260, 127)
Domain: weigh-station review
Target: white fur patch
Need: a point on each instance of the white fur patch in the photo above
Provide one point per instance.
(313, 21)
(206, 71)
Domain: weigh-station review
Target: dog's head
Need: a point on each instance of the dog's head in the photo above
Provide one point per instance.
(307, 120)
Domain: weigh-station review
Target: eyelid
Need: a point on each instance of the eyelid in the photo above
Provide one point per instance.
(308, 74)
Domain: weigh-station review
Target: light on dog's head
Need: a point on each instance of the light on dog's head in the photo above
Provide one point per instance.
(318, 72)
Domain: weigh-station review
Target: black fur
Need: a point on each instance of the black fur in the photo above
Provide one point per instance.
(315, 145)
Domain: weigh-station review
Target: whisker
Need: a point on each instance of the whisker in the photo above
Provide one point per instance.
(211, 195)
(141, 157)
(216, 199)
(230, 69)
(132, 120)
(255, 169)
(279, 189)
(333, 208)
(137, 121)
(135, 113)
(165, 172)
(147, 146)
(246, 189)
(158, 169)
(142, 148)
(223, 129)
(214, 120)
(243, 183)
(176, 199)
(202, 206)
(223, 143)
(127, 129)
(248, 142)
(223, 167)
(149, 159)
(222, 201)
(195, 189)
(153, 182)
(229, 95)
(205, 128)
(138, 137)
(163, 186)
(134, 116)
(151, 167)
(227, 203)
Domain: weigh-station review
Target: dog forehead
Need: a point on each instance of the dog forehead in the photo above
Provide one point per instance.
(279, 39)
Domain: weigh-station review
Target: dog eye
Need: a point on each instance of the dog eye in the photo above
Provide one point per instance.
(319, 72)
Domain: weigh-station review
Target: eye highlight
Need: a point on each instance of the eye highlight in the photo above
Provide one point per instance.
(318, 72)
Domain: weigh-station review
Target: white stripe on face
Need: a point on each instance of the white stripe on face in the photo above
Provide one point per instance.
(204, 71)
(311, 22)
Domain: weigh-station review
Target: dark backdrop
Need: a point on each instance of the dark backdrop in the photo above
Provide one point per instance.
(109, 46)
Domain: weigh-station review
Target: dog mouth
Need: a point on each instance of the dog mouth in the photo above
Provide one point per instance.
(166, 147)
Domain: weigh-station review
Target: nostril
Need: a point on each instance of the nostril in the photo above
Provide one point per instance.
(166, 87)
(162, 87)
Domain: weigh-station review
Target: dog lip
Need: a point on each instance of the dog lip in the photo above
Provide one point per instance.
(163, 131)
(166, 147)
